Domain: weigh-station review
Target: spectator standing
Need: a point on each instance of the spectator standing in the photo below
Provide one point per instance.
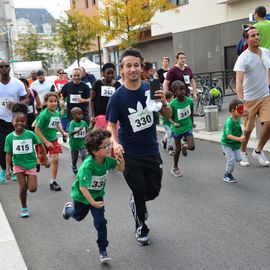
(60, 81)
(162, 72)
(263, 26)
(181, 72)
(252, 86)
(77, 94)
(11, 91)
(33, 77)
(87, 78)
(41, 85)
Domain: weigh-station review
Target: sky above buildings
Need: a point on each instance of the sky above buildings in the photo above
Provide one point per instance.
(55, 7)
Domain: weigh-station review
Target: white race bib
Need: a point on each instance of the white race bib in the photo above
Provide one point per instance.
(141, 120)
(54, 121)
(107, 91)
(98, 182)
(184, 113)
(186, 79)
(164, 75)
(5, 100)
(22, 146)
(74, 98)
(81, 133)
(30, 109)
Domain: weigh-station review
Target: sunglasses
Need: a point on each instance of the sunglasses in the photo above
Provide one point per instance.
(4, 66)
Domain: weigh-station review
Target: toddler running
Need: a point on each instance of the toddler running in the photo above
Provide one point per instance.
(19, 146)
(88, 189)
(232, 138)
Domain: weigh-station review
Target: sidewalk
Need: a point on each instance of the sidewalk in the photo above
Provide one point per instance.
(10, 255)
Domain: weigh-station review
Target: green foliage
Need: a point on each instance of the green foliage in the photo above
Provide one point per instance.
(124, 20)
(76, 35)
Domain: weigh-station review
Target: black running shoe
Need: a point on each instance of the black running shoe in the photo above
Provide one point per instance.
(54, 186)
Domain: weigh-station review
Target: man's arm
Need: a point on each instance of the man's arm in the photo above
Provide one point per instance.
(239, 84)
(166, 85)
(24, 100)
(118, 148)
(194, 88)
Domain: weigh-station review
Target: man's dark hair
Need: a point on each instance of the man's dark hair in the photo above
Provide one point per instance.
(260, 11)
(131, 52)
(233, 104)
(93, 139)
(246, 34)
(107, 66)
(40, 72)
(179, 53)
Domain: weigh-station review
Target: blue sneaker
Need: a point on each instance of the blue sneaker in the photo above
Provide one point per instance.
(3, 177)
(229, 178)
(13, 176)
(24, 213)
(104, 257)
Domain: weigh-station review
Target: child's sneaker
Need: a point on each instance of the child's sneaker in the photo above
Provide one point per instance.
(64, 213)
(54, 186)
(164, 144)
(229, 178)
(3, 177)
(13, 176)
(176, 172)
(24, 213)
(103, 257)
(244, 162)
(171, 151)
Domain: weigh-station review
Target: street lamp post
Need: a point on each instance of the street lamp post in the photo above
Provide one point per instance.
(10, 43)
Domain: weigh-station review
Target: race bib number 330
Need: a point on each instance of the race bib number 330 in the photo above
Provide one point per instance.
(141, 120)
(22, 146)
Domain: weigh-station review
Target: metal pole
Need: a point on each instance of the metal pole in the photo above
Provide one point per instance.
(10, 42)
(99, 55)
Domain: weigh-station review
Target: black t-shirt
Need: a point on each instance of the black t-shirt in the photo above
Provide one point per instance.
(161, 74)
(71, 92)
(103, 94)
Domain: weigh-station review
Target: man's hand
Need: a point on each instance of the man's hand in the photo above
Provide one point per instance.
(161, 95)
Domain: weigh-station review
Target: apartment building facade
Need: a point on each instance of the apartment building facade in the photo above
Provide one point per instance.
(206, 30)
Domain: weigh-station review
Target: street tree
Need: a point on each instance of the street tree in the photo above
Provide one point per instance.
(125, 20)
(76, 34)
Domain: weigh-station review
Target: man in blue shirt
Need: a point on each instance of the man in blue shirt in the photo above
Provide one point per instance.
(137, 138)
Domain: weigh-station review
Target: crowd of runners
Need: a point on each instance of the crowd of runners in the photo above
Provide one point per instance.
(110, 123)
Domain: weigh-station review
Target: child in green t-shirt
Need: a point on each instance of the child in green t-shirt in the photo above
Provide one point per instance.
(167, 141)
(88, 189)
(181, 123)
(19, 146)
(232, 138)
(77, 133)
(46, 127)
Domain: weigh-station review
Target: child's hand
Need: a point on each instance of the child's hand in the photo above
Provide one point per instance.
(8, 175)
(177, 125)
(242, 139)
(49, 145)
(81, 128)
(98, 204)
(119, 157)
(65, 134)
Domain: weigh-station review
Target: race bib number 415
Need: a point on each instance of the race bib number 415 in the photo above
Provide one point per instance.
(22, 146)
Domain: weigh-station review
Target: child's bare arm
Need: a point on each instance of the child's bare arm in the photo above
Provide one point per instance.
(8, 163)
(240, 139)
(90, 199)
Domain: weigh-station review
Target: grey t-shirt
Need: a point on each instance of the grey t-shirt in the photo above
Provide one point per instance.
(255, 70)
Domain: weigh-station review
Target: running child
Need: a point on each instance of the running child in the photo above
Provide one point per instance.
(87, 191)
(232, 138)
(19, 146)
(167, 141)
(182, 123)
(46, 127)
(77, 133)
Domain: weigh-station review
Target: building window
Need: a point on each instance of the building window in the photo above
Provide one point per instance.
(179, 2)
(94, 2)
(86, 3)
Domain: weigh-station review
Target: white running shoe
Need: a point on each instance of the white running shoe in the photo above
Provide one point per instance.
(244, 162)
(261, 158)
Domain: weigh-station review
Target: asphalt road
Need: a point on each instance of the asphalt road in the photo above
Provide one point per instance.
(197, 222)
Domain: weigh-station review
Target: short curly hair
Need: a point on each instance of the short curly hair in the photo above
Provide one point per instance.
(94, 139)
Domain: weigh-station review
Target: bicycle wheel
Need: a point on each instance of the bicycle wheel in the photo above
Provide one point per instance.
(199, 107)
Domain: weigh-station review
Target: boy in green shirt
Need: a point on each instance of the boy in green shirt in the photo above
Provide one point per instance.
(232, 138)
(88, 191)
(77, 133)
(181, 123)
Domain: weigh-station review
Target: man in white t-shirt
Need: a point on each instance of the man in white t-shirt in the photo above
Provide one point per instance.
(11, 91)
(41, 85)
(252, 87)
